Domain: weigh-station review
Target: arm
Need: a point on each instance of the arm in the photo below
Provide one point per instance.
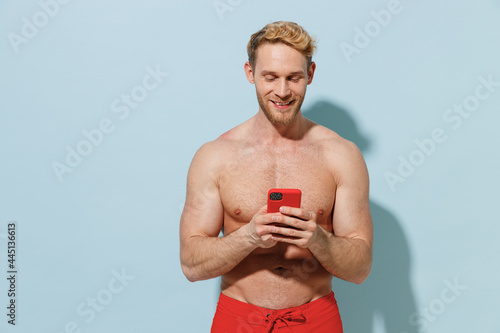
(203, 254)
(347, 254)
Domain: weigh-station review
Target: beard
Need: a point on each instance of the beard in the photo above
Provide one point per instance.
(280, 117)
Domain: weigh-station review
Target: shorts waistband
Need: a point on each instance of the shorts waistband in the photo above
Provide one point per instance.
(311, 308)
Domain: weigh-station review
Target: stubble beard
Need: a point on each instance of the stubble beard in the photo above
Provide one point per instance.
(271, 115)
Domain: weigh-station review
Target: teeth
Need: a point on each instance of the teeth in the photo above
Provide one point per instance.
(282, 104)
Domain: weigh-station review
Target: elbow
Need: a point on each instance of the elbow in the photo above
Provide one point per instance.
(357, 276)
(188, 267)
(189, 277)
(363, 273)
(193, 272)
(365, 266)
(361, 277)
(362, 270)
(189, 274)
(188, 270)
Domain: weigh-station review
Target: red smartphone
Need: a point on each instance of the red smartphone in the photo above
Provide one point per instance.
(277, 197)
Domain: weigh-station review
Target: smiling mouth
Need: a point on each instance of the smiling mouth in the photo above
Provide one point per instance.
(282, 105)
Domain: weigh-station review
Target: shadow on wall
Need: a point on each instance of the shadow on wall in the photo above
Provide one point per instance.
(386, 296)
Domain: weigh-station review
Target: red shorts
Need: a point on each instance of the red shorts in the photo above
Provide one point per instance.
(319, 316)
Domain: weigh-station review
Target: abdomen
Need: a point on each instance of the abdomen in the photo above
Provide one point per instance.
(286, 276)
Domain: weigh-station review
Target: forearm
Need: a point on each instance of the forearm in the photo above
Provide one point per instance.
(349, 259)
(204, 258)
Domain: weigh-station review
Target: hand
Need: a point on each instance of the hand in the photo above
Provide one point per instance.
(296, 226)
(259, 229)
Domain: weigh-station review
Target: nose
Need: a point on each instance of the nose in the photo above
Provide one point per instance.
(283, 89)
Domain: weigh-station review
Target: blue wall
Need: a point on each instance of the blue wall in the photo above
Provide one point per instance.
(104, 103)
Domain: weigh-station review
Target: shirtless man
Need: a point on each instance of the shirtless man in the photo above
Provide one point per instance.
(277, 268)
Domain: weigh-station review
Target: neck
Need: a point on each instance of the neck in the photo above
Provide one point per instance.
(269, 133)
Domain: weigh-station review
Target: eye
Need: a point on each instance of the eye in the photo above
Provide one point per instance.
(269, 78)
(294, 78)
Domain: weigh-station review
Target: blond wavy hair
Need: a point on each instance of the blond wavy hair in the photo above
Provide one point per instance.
(289, 33)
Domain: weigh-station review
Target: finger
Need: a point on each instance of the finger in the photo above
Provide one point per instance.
(290, 221)
(300, 242)
(287, 232)
(262, 210)
(270, 218)
(269, 230)
(302, 214)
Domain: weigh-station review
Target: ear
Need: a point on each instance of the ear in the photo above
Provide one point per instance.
(249, 72)
(310, 74)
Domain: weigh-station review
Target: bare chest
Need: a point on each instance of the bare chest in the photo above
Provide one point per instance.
(249, 174)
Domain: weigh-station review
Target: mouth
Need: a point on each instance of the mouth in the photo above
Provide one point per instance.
(282, 106)
(281, 271)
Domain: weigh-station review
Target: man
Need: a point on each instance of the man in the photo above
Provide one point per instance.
(277, 268)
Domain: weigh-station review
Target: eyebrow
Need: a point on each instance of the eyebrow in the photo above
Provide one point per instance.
(274, 73)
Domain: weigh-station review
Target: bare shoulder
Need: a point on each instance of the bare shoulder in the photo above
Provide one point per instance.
(343, 155)
(213, 154)
(227, 142)
(332, 143)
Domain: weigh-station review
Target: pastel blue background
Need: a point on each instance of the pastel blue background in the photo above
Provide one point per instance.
(119, 209)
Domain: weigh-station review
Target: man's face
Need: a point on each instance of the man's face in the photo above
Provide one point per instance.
(281, 77)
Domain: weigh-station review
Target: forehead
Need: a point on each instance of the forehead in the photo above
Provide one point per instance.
(279, 58)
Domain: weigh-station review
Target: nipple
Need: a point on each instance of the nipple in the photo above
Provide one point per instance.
(321, 212)
(237, 211)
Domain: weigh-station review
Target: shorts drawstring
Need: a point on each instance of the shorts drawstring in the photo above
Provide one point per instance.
(286, 318)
